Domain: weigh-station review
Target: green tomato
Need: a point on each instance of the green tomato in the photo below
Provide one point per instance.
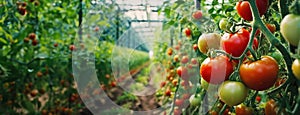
(195, 101)
(276, 55)
(225, 25)
(289, 28)
(232, 92)
(209, 41)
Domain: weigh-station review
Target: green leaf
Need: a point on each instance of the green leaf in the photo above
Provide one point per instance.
(42, 56)
(3, 40)
(28, 106)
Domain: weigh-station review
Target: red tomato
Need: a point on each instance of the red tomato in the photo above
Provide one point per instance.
(185, 59)
(182, 71)
(179, 102)
(270, 108)
(236, 43)
(216, 70)
(197, 15)
(195, 47)
(187, 32)
(244, 11)
(243, 110)
(271, 27)
(261, 74)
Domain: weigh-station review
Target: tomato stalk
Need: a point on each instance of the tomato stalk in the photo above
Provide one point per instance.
(174, 99)
(222, 110)
(257, 22)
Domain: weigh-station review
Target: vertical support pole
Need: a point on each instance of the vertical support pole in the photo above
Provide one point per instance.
(197, 4)
(80, 21)
(117, 24)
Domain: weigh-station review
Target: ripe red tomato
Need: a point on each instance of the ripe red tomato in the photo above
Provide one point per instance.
(168, 92)
(197, 15)
(270, 107)
(187, 32)
(162, 84)
(216, 70)
(261, 74)
(258, 98)
(195, 47)
(179, 102)
(72, 47)
(194, 61)
(55, 44)
(244, 11)
(177, 111)
(243, 110)
(34, 42)
(32, 36)
(271, 27)
(236, 43)
(182, 71)
(185, 59)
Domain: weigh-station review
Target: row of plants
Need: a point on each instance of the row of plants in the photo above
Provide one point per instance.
(243, 54)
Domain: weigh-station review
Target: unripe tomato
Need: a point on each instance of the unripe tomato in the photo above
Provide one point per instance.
(195, 101)
(261, 74)
(176, 58)
(225, 25)
(244, 11)
(216, 70)
(169, 51)
(209, 41)
(232, 93)
(296, 68)
(289, 28)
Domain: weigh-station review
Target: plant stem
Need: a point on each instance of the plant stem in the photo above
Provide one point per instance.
(275, 42)
(174, 99)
